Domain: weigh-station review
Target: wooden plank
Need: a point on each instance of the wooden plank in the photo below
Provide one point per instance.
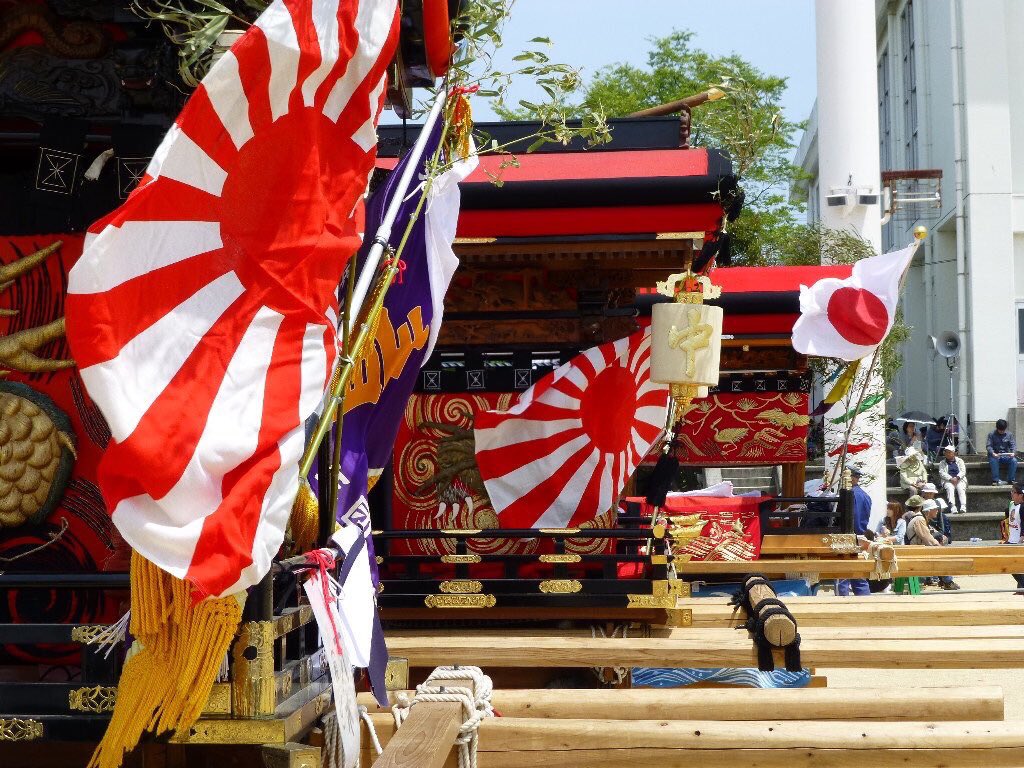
(828, 598)
(923, 612)
(933, 703)
(852, 567)
(556, 742)
(716, 634)
(498, 649)
(427, 735)
(1012, 757)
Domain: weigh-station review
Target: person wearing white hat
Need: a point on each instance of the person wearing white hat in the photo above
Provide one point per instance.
(929, 491)
(953, 476)
(913, 473)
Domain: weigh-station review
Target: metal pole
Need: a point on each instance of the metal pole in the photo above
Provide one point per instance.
(366, 279)
(383, 236)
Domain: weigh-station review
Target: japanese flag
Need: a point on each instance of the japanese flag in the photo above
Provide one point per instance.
(849, 318)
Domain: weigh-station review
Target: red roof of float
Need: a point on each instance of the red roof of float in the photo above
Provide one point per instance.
(773, 279)
(591, 193)
(764, 300)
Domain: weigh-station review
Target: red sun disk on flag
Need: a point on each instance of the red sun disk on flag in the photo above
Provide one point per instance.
(609, 427)
(858, 315)
(301, 253)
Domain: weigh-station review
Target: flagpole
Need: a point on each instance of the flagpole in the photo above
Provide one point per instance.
(366, 278)
(840, 466)
(383, 236)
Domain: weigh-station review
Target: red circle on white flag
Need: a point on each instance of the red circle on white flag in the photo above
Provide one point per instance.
(858, 315)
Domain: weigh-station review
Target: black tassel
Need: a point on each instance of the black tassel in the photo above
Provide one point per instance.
(660, 481)
(793, 656)
(765, 660)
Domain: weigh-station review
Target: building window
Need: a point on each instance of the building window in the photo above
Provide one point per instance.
(909, 86)
(1020, 330)
(884, 114)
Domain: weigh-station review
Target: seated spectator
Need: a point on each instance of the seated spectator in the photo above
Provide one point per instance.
(893, 439)
(942, 518)
(913, 474)
(893, 528)
(1002, 452)
(953, 476)
(911, 437)
(1011, 526)
(933, 437)
(921, 532)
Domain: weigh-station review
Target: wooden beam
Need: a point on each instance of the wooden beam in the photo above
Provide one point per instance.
(509, 742)
(921, 612)
(500, 650)
(831, 568)
(887, 704)
(507, 734)
(427, 735)
(793, 480)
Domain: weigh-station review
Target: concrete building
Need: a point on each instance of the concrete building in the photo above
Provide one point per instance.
(951, 98)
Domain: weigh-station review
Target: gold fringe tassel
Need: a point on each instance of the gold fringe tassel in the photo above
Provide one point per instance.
(177, 653)
(304, 523)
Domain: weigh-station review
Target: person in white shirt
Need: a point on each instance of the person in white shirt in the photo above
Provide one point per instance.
(1012, 532)
(953, 476)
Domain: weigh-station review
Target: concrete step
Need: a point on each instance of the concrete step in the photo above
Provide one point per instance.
(982, 525)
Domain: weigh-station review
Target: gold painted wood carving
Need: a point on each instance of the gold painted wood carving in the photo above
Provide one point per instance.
(560, 558)
(560, 586)
(460, 586)
(396, 674)
(460, 558)
(460, 601)
(253, 685)
(87, 633)
(651, 601)
(97, 699)
(842, 543)
(37, 452)
(20, 729)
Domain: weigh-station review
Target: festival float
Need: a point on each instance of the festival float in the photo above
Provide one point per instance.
(259, 503)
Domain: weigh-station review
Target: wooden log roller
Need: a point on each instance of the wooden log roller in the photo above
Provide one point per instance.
(770, 623)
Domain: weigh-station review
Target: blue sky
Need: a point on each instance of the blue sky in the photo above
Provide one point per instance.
(777, 36)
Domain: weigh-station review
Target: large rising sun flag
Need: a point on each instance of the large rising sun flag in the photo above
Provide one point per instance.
(562, 454)
(202, 315)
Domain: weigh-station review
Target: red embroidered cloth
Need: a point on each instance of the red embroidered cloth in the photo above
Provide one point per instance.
(740, 429)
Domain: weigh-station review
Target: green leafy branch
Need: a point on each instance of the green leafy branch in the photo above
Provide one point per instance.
(194, 26)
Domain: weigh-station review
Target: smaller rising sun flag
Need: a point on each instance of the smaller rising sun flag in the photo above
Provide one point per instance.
(562, 454)
(849, 318)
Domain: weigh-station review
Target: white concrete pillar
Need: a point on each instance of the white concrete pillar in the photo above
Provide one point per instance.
(848, 165)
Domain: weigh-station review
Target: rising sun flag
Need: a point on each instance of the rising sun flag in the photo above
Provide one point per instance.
(562, 454)
(202, 315)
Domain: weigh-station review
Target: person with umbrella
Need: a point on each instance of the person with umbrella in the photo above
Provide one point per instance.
(910, 421)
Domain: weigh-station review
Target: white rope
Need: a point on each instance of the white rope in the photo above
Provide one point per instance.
(620, 630)
(476, 704)
(363, 713)
(882, 569)
(333, 755)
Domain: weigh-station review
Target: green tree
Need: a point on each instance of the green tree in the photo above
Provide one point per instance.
(748, 123)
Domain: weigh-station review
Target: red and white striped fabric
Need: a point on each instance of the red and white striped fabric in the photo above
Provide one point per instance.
(563, 453)
(202, 313)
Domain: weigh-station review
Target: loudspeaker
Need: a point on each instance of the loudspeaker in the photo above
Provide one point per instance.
(947, 343)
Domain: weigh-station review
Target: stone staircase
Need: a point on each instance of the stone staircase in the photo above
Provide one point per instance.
(986, 503)
(747, 478)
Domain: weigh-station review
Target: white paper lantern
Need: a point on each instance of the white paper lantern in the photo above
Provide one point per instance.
(686, 344)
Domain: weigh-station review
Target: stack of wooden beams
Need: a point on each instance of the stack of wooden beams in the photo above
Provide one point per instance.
(770, 728)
